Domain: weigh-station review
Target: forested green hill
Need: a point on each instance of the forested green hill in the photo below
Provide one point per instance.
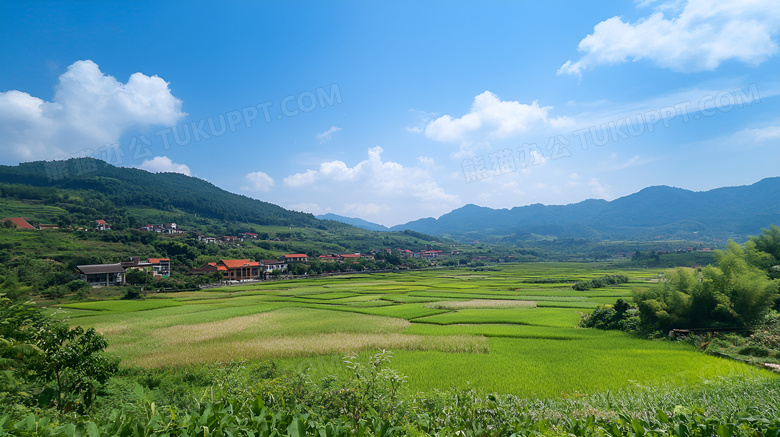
(130, 187)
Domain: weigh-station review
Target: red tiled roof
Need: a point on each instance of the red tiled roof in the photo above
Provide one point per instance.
(101, 222)
(221, 268)
(235, 263)
(157, 260)
(350, 255)
(20, 223)
(297, 255)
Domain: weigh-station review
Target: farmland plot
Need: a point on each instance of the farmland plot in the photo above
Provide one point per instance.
(507, 331)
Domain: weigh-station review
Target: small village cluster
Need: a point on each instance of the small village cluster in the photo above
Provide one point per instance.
(231, 269)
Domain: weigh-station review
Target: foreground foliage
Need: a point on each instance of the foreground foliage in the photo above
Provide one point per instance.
(734, 294)
(369, 401)
(45, 363)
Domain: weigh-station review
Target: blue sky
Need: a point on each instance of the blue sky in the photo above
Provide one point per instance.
(394, 111)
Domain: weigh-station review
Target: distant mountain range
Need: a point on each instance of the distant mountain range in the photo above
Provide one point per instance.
(658, 212)
(360, 223)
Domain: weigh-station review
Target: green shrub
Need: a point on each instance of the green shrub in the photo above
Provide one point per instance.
(754, 351)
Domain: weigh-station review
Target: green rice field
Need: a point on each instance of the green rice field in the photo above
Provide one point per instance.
(500, 331)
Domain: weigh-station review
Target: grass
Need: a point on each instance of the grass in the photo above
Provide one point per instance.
(545, 368)
(480, 303)
(554, 317)
(447, 328)
(122, 306)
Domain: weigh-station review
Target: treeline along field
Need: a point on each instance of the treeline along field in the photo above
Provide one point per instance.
(505, 331)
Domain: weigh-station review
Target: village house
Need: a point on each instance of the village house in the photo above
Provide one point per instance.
(152, 228)
(207, 239)
(269, 265)
(135, 263)
(161, 267)
(232, 269)
(20, 223)
(429, 254)
(296, 257)
(165, 228)
(208, 268)
(102, 225)
(98, 275)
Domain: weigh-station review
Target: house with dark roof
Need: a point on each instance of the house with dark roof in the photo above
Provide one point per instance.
(269, 265)
(98, 275)
(20, 223)
(208, 268)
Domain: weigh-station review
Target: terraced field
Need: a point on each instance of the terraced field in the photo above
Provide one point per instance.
(502, 331)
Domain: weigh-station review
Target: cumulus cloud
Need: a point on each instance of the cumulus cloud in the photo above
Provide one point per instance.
(489, 117)
(258, 181)
(89, 109)
(326, 136)
(163, 164)
(699, 36)
(374, 177)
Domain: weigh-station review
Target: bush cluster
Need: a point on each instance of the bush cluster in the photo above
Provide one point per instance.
(604, 281)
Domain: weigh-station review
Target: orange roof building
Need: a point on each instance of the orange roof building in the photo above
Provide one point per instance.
(20, 223)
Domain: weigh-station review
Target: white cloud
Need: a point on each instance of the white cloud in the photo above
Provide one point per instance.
(326, 136)
(365, 209)
(489, 116)
(301, 179)
(426, 161)
(312, 208)
(760, 134)
(599, 190)
(258, 181)
(380, 190)
(537, 158)
(700, 37)
(89, 109)
(422, 119)
(163, 164)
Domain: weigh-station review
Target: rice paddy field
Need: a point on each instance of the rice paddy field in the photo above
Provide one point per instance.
(502, 331)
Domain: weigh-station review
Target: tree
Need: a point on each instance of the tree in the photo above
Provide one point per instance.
(733, 294)
(17, 347)
(763, 251)
(138, 277)
(45, 359)
(72, 364)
